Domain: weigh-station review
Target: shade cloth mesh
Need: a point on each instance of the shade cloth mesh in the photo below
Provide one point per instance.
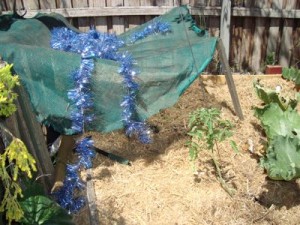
(168, 64)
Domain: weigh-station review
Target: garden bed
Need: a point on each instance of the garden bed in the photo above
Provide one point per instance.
(160, 187)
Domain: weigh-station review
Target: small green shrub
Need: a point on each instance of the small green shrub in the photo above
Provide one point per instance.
(206, 130)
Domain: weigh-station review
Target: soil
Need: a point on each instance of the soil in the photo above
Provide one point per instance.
(162, 188)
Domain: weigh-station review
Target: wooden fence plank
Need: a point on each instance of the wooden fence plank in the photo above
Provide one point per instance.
(214, 21)
(260, 24)
(296, 45)
(97, 3)
(47, 4)
(147, 2)
(237, 3)
(198, 3)
(101, 24)
(135, 12)
(164, 2)
(118, 24)
(215, 3)
(213, 26)
(184, 2)
(154, 10)
(100, 21)
(247, 38)
(80, 3)
(64, 3)
(10, 4)
(32, 4)
(287, 37)
(146, 18)
(236, 44)
(132, 21)
(84, 22)
(274, 33)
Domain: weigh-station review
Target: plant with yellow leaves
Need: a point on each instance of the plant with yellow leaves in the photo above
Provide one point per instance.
(16, 157)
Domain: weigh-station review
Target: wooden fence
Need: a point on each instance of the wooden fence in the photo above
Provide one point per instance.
(258, 28)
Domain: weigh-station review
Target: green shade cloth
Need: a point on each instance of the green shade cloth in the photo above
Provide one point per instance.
(168, 64)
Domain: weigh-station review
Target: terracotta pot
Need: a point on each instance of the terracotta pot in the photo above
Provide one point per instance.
(273, 69)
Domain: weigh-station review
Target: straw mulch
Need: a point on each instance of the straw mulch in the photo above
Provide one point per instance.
(161, 187)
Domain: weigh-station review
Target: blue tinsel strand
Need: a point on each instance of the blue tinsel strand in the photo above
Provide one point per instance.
(65, 195)
(100, 45)
(106, 46)
(83, 101)
(156, 26)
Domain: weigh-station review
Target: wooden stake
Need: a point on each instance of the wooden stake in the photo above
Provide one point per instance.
(229, 80)
(91, 197)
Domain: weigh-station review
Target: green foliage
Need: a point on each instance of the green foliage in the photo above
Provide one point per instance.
(10, 204)
(271, 58)
(17, 156)
(206, 125)
(282, 127)
(269, 96)
(282, 160)
(44, 211)
(234, 146)
(276, 122)
(292, 74)
(7, 96)
(206, 130)
(34, 208)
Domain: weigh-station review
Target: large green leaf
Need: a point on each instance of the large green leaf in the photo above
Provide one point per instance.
(292, 74)
(40, 210)
(282, 160)
(277, 122)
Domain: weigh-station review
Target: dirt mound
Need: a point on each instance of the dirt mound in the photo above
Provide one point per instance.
(160, 187)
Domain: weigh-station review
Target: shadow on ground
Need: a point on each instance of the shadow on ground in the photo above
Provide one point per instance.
(280, 193)
(110, 214)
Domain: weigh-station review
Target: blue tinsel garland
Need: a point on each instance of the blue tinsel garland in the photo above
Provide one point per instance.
(92, 45)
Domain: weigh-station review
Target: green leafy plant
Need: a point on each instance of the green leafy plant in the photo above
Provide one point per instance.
(7, 96)
(269, 96)
(18, 158)
(282, 158)
(206, 130)
(270, 59)
(29, 206)
(292, 74)
(41, 210)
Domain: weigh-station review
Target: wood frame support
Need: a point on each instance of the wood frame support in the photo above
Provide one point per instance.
(229, 79)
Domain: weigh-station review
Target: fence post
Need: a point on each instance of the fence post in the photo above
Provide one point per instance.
(229, 80)
(225, 25)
